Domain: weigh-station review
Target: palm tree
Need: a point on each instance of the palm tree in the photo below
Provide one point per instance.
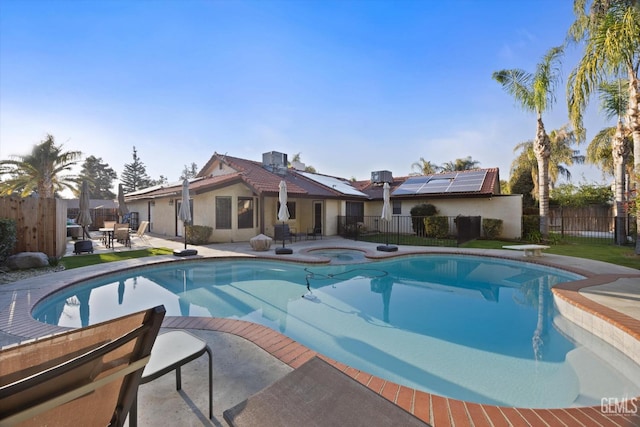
(561, 156)
(535, 93)
(424, 167)
(611, 147)
(609, 30)
(465, 164)
(40, 172)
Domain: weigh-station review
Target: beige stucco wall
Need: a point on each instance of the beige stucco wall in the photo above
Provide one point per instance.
(508, 208)
(163, 217)
(303, 222)
(204, 213)
(332, 209)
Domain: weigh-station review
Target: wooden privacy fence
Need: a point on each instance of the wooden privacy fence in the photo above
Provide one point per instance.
(41, 224)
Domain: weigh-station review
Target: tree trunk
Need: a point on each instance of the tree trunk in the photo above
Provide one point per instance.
(619, 153)
(633, 118)
(542, 149)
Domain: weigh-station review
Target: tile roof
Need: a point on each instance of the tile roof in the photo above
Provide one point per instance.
(299, 184)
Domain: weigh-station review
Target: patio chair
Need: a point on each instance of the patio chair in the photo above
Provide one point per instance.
(141, 230)
(283, 232)
(121, 234)
(86, 376)
(314, 232)
(109, 224)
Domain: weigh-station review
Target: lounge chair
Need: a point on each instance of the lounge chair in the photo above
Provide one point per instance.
(317, 394)
(170, 352)
(141, 230)
(314, 232)
(86, 376)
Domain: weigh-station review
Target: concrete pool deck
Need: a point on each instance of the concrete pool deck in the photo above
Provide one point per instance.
(249, 357)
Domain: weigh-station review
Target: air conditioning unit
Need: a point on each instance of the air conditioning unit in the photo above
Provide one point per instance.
(380, 177)
(275, 162)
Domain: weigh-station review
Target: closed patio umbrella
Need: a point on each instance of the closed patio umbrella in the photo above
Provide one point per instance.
(84, 215)
(122, 206)
(386, 217)
(386, 206)
(185, 210)
(283, 214)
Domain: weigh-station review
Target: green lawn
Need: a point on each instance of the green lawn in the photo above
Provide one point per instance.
(621, 255)
(75, 261)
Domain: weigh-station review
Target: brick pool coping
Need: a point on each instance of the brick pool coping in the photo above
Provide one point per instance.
(17, 300)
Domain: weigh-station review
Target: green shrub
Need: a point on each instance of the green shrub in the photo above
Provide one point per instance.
(418, 213)
(198, 234)
(492, 227)
(8, 238)
(436, 226)
(531, 228)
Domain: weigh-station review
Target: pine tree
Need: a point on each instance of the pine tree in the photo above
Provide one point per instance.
(100, 178)
(134, 177)
(189, 172)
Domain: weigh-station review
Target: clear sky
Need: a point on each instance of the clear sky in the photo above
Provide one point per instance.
(355, 86)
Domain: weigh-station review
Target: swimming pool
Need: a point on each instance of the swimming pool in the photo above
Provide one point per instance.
(472, 328)
(340, 255)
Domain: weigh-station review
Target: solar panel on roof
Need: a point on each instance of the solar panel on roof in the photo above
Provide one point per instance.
(468, 182)
(445, 175)
(449, 182)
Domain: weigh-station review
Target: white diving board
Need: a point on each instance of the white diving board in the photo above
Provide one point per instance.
(529, 250)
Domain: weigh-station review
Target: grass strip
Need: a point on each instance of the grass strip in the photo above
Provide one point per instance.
(76, 261)
(620, 255)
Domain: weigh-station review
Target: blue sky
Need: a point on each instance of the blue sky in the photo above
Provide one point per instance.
(354, 86)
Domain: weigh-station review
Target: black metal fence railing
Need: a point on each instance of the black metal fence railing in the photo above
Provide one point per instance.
(408, 230)
(453, 231)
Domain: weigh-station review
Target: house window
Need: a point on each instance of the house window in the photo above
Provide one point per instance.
(223, 213)
(397, 207)
(245, 212)
(291, 206)
(355, 212)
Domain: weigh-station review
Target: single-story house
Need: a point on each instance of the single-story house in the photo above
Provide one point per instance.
(238, 198)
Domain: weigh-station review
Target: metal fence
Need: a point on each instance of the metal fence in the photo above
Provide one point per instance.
(408, 230)
(453, 231)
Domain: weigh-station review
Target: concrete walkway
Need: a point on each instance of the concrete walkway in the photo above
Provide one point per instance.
(241, 368)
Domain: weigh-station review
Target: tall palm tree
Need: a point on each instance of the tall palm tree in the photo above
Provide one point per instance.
(535, 93)
(609, 30)
(424, 167)
(561, 156)
(465, 164)
(40, 172)
(611, 147)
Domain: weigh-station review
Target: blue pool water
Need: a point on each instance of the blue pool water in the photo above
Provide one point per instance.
(472, 328)
(340, 256)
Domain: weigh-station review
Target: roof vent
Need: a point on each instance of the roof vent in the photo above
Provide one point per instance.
(275, 162)
(380, 177)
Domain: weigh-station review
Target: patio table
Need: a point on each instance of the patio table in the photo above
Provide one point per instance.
(107, 236)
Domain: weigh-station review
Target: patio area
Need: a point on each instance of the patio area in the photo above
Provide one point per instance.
(249, 357)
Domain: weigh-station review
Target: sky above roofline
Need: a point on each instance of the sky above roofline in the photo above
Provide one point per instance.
(354, 86)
